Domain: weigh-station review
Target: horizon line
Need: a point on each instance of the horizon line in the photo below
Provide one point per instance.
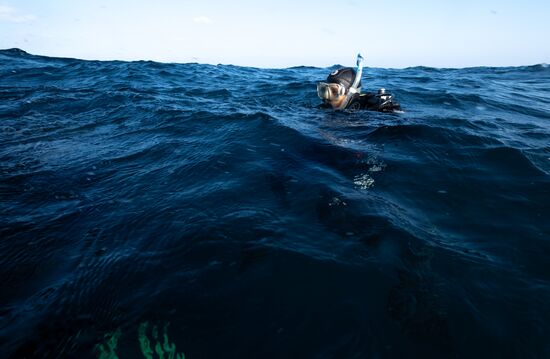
(543, 64)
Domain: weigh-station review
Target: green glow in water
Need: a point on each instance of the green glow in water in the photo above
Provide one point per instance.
(163, 348)
(107, 350)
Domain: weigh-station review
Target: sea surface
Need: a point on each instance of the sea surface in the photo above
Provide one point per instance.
(216, 212)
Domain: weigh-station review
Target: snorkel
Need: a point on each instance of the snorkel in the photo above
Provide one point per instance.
(355, 86)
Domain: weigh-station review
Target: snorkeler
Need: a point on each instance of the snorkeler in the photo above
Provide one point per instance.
(342, 91)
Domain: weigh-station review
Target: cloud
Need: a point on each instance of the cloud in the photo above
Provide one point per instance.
(202, 20)
(10, 14)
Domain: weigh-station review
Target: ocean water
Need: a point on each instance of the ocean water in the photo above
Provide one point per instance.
(217, 210)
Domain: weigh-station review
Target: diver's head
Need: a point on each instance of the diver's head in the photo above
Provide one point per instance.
(344, 76)
(337, 86)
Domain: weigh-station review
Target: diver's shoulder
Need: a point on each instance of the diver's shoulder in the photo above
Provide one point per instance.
(382, 101)
(363, 101)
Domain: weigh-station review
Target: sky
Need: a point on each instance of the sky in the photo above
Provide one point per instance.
(396, 33)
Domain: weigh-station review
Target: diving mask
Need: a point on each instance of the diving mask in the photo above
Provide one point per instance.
(330, 91)
(333, 91)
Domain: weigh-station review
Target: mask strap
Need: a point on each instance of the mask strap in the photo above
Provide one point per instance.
(354, 87)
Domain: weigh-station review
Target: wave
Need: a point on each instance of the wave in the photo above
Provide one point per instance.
(222, 199)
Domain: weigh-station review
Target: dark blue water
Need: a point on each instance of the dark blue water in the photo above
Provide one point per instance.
(219, 202)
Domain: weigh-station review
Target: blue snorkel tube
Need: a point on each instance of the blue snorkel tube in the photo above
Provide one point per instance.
(355, 86)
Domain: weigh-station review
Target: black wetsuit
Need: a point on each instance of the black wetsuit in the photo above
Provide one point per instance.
(370, 101)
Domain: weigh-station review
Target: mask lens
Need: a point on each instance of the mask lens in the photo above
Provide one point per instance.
(329, 91)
